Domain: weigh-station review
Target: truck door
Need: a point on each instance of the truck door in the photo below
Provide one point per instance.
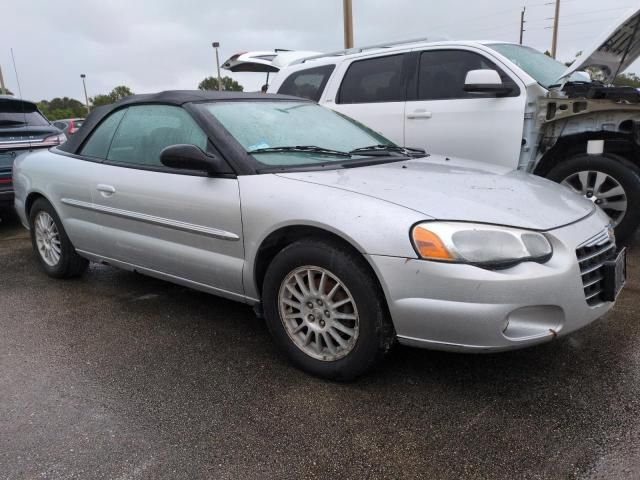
(372, 91)
(443, 118)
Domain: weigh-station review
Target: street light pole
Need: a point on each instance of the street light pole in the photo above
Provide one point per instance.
(215, 45)
(556, 19)
(86, 98)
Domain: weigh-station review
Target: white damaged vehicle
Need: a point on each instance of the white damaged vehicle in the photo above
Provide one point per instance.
(490, 101)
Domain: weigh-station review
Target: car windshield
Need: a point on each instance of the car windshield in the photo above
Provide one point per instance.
(544, 69)
(292, 133)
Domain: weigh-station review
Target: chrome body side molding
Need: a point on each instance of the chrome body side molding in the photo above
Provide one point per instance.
(163, 222)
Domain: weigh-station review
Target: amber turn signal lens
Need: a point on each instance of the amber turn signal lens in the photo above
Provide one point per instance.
(429, 245)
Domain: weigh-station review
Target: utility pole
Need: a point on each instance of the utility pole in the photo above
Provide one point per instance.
(556, 18)
(348, 24)
(3, 90)
(86, 97)
(522, 23)
(215, 45)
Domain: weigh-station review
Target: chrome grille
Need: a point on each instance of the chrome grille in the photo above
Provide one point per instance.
(591, 256)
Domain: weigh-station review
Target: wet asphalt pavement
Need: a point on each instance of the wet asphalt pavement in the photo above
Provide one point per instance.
(116, 375)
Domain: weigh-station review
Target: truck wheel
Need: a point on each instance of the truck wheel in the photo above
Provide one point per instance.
(609, 183)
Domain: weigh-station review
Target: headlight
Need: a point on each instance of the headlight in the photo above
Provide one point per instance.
(486, 246)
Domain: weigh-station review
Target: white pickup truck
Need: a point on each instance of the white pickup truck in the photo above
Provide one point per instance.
(490, 101)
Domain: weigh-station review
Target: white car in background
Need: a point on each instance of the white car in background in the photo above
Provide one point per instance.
(490, 101)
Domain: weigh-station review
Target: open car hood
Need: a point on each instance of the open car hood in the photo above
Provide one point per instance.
(614, 51)
(264, 61)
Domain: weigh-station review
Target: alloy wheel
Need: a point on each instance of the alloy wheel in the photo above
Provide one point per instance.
(47, 239)
(602, 189)
(319, 313)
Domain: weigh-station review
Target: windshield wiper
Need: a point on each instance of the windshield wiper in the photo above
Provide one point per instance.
(381, 150)
(302, 149)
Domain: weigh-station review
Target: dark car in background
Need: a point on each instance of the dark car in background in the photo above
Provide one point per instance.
(69, 125)
(22, 128)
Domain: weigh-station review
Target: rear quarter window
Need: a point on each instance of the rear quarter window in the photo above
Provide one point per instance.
(307, 83)
(98, 144)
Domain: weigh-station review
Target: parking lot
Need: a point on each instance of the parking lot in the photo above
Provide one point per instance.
(116, 375)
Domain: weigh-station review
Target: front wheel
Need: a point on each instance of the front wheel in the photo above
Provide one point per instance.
(325, 310)
(609, 183)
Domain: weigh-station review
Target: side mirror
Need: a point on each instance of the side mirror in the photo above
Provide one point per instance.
(190, 157)
(486, 81)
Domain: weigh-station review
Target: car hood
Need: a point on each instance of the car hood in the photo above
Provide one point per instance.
(615, 50)
(460, 190)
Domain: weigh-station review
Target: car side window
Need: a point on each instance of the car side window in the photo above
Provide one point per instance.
(442, 74)
(98, 144)
(308, 83)
(146, 130)
(374, 80)
(60, 125)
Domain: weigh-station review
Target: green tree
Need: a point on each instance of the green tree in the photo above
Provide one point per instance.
(118, 93)
(228, 84)
(64, 107)
(627, 80)
(100, 100)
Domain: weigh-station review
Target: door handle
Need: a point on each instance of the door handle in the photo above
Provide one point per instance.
(419, 114)
(105, 190)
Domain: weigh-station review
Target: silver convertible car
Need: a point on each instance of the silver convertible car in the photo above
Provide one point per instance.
(344, 241)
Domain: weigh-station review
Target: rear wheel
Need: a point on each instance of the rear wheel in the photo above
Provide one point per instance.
(325, 310)
(53, 248)
(609, 183)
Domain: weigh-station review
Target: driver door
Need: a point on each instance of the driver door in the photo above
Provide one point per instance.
(183, 225)
(444, 119)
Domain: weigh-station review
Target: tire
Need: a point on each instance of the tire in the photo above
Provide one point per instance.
(359, 342)
(620, 175)
(52, 246)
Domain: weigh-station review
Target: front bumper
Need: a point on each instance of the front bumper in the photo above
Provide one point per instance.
(464, 308)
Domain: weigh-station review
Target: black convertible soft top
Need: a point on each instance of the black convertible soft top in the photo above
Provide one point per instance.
(169, 97)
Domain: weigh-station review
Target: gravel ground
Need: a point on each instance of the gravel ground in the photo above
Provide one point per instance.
(120, 376)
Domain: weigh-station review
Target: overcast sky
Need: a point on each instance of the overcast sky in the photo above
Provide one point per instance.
(153, 45)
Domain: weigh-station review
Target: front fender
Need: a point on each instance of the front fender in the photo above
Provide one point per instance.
(370, 225)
